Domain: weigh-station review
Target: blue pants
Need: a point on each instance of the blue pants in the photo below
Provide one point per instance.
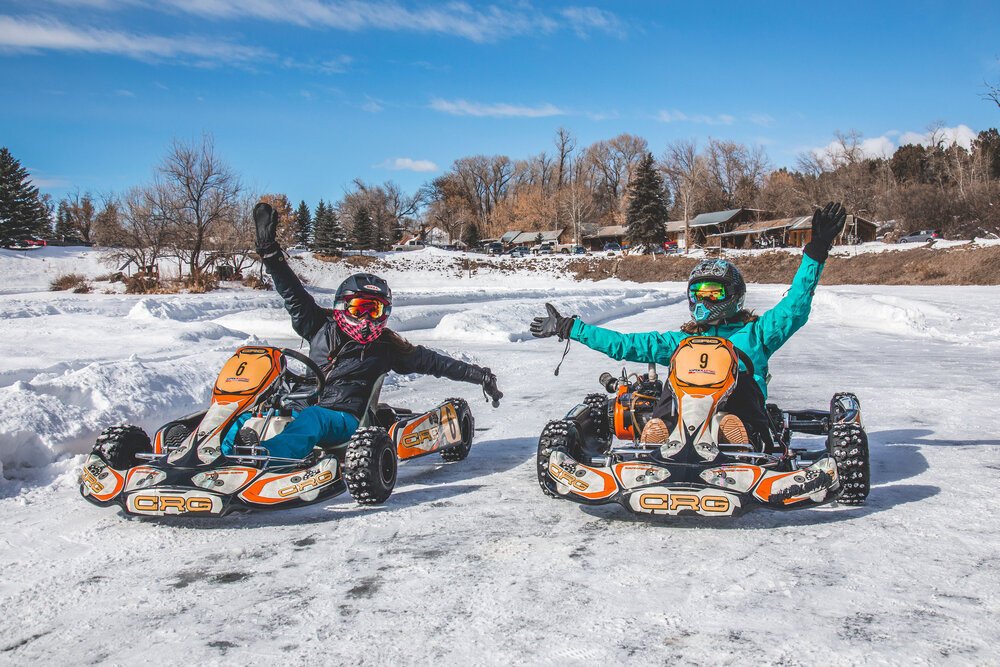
(310, 427)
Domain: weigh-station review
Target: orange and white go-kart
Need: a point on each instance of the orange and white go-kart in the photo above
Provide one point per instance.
(183, 470)
(594, 455)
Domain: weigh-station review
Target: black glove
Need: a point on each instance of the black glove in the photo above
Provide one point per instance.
(827, 224)
(266, 220)
(553, 324)
(490, 389)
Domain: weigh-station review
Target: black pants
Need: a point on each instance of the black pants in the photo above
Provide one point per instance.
(746, 402)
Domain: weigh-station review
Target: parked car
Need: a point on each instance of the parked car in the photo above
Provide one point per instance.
(922, 236)
(569, 249)
(543, 248)
(495, 248)
(612, 247)
(519, 251)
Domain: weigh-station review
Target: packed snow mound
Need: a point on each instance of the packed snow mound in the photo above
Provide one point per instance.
(887, 314)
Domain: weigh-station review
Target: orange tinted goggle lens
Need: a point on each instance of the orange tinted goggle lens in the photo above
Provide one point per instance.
(709, 291)
(370, 308)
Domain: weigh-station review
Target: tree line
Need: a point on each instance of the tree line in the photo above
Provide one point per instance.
(196, 209)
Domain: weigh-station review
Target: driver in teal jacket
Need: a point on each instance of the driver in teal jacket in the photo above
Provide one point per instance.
(716, 292)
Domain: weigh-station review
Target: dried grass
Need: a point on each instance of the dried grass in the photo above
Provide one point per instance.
(71, 281)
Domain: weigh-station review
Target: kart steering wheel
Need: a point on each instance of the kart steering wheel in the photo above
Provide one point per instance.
(313, 393)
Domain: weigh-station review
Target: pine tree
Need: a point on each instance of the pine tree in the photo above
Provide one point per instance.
(22, 212)
(471, 236)
(321, 234)
(303, 225)
(64, 222)
(338, 235)
(646, 217)
(363, 229)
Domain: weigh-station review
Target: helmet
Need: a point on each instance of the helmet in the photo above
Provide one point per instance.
(716, 291)
(362, 306)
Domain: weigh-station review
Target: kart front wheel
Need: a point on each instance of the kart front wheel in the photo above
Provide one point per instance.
(554, 436)
(370, 466)
(118, 445)
(466, 425)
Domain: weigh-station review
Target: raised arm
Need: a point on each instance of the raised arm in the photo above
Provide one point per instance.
(406, 357)
(307, 316)
(777, 325)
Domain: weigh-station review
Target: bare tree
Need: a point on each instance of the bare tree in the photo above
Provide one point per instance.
(576, 199)
(136, 228)
(736, 170)
(614, 161)
(565, 145)
(235, 234)
(687, 174)
(198, 191)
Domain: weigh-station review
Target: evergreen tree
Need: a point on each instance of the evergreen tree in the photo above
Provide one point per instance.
(321, 234)
(303, 225)
(338, 235)
(64, 222)
(22, 212)
(646, 217)
(363, 229)
(471, 236)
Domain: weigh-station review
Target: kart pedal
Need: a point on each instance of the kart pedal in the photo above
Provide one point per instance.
(733, 431)
(655, 432)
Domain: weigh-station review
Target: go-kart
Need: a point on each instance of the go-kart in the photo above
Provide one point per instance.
(184, 471)
(695, 472)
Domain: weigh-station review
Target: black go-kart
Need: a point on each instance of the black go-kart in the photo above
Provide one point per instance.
(595, 454)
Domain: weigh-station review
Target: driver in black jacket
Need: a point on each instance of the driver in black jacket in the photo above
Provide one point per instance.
(352, 345)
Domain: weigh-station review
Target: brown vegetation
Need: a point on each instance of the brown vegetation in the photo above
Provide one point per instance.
(954, 266)
(71, 281)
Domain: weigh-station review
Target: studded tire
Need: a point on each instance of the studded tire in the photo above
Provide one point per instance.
(467, 424)
(370, 466)
(120, 444)
(555, 435)
(848, 443)
(599, 414)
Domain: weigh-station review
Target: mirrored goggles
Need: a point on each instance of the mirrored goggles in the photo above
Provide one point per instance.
(708, 291)
(361, 307)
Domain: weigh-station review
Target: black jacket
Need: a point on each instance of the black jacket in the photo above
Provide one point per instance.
(350, 367)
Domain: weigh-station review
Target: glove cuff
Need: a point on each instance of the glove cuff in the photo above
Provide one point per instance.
(565, 325)
(270, 250)
(817, 250)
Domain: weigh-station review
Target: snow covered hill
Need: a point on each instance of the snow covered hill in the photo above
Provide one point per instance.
(469, 563)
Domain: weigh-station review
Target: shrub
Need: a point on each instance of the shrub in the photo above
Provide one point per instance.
(256, 282)
(67, 281)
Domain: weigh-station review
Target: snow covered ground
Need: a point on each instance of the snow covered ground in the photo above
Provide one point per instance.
(469, 563)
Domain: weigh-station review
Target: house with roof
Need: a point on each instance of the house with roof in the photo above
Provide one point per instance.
(795, 232)
(528, 239)
(719, 222)
(609, 234)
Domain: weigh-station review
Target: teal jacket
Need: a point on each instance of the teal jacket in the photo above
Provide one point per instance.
(758, 339)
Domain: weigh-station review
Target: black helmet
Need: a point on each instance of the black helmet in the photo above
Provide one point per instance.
(364, 284)
(716, 290)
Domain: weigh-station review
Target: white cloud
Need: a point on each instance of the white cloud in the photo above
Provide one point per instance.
(681, 117)
(121, 92)
(962, 135)
(371, 105)
(460, 19)
(37, 34)
(885, 145)
(497, 110)
(407, 164)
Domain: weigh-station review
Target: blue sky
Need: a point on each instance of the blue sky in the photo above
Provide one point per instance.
(302, 96)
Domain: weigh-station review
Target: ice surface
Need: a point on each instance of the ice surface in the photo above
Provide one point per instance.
(469, 563)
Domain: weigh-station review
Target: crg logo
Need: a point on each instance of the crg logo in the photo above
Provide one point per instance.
(566, 477)
(672, 503)
(312, 483)
(179, 504)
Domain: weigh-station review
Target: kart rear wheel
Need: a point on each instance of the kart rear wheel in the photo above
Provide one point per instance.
(848, 443)
(118, 445)
(555, 436)
(370, 465)
(467, 426)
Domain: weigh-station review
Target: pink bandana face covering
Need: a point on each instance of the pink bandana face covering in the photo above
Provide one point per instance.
(362, 331)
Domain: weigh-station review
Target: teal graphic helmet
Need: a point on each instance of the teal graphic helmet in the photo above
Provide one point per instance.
(716, 291)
